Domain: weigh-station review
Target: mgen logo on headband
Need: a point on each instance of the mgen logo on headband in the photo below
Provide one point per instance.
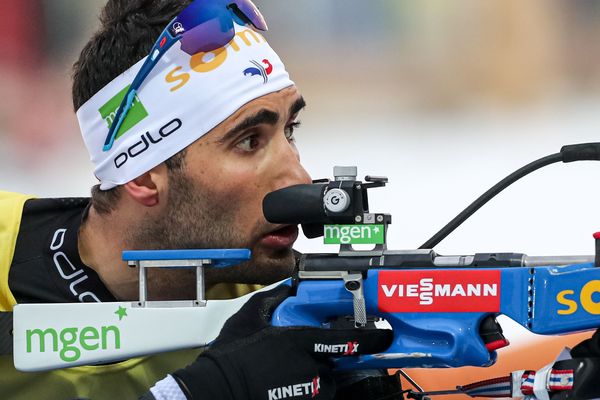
(135, 115)
(164, 119)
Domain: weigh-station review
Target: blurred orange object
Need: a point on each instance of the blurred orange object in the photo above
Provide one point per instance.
(529, 353)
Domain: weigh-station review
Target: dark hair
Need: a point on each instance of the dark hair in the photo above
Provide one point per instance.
(128, 29)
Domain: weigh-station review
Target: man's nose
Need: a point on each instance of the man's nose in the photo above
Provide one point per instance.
(291, 170)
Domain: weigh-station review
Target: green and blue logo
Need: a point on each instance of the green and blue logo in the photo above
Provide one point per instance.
(109, 110)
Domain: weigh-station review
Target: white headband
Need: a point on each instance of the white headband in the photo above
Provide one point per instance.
(182, 99)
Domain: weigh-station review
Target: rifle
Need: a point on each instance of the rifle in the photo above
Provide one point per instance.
(442, 308)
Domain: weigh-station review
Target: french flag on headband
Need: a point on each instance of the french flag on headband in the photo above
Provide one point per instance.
(263, 70)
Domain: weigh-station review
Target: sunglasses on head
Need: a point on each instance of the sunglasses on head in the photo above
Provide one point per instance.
(203, 26)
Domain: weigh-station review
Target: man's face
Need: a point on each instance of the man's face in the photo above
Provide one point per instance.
(216, 200)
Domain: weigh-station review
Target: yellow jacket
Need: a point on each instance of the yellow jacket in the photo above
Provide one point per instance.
(124, 380)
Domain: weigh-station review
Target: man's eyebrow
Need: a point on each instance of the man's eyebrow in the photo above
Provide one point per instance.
(298, 105)
(262, 117)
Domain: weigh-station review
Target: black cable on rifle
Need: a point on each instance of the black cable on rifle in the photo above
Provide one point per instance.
(487, 196)
(569, 153)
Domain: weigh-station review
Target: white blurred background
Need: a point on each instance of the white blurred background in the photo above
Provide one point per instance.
(444, 97)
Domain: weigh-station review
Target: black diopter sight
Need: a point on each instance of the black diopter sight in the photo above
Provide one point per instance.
(341, 201)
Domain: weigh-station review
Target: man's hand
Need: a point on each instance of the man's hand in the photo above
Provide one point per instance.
(253, 360)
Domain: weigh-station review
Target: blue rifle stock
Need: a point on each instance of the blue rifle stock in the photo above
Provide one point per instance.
(442, 308)
(545, 299)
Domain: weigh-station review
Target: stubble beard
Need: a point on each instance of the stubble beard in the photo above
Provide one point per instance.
(195, 219)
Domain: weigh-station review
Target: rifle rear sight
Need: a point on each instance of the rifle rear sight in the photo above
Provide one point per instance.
(338, 209)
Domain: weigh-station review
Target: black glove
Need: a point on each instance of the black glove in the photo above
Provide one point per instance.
(588, 348)
(585, 365)
(253, 360)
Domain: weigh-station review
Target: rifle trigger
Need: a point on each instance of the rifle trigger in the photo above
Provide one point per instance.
(491, 334)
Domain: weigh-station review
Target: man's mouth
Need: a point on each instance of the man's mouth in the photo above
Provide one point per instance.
(281, 238)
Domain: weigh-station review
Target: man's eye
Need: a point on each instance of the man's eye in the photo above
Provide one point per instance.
(289, 130)
(248, 144)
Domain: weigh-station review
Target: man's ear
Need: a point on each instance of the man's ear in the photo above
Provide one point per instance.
(149, 188)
